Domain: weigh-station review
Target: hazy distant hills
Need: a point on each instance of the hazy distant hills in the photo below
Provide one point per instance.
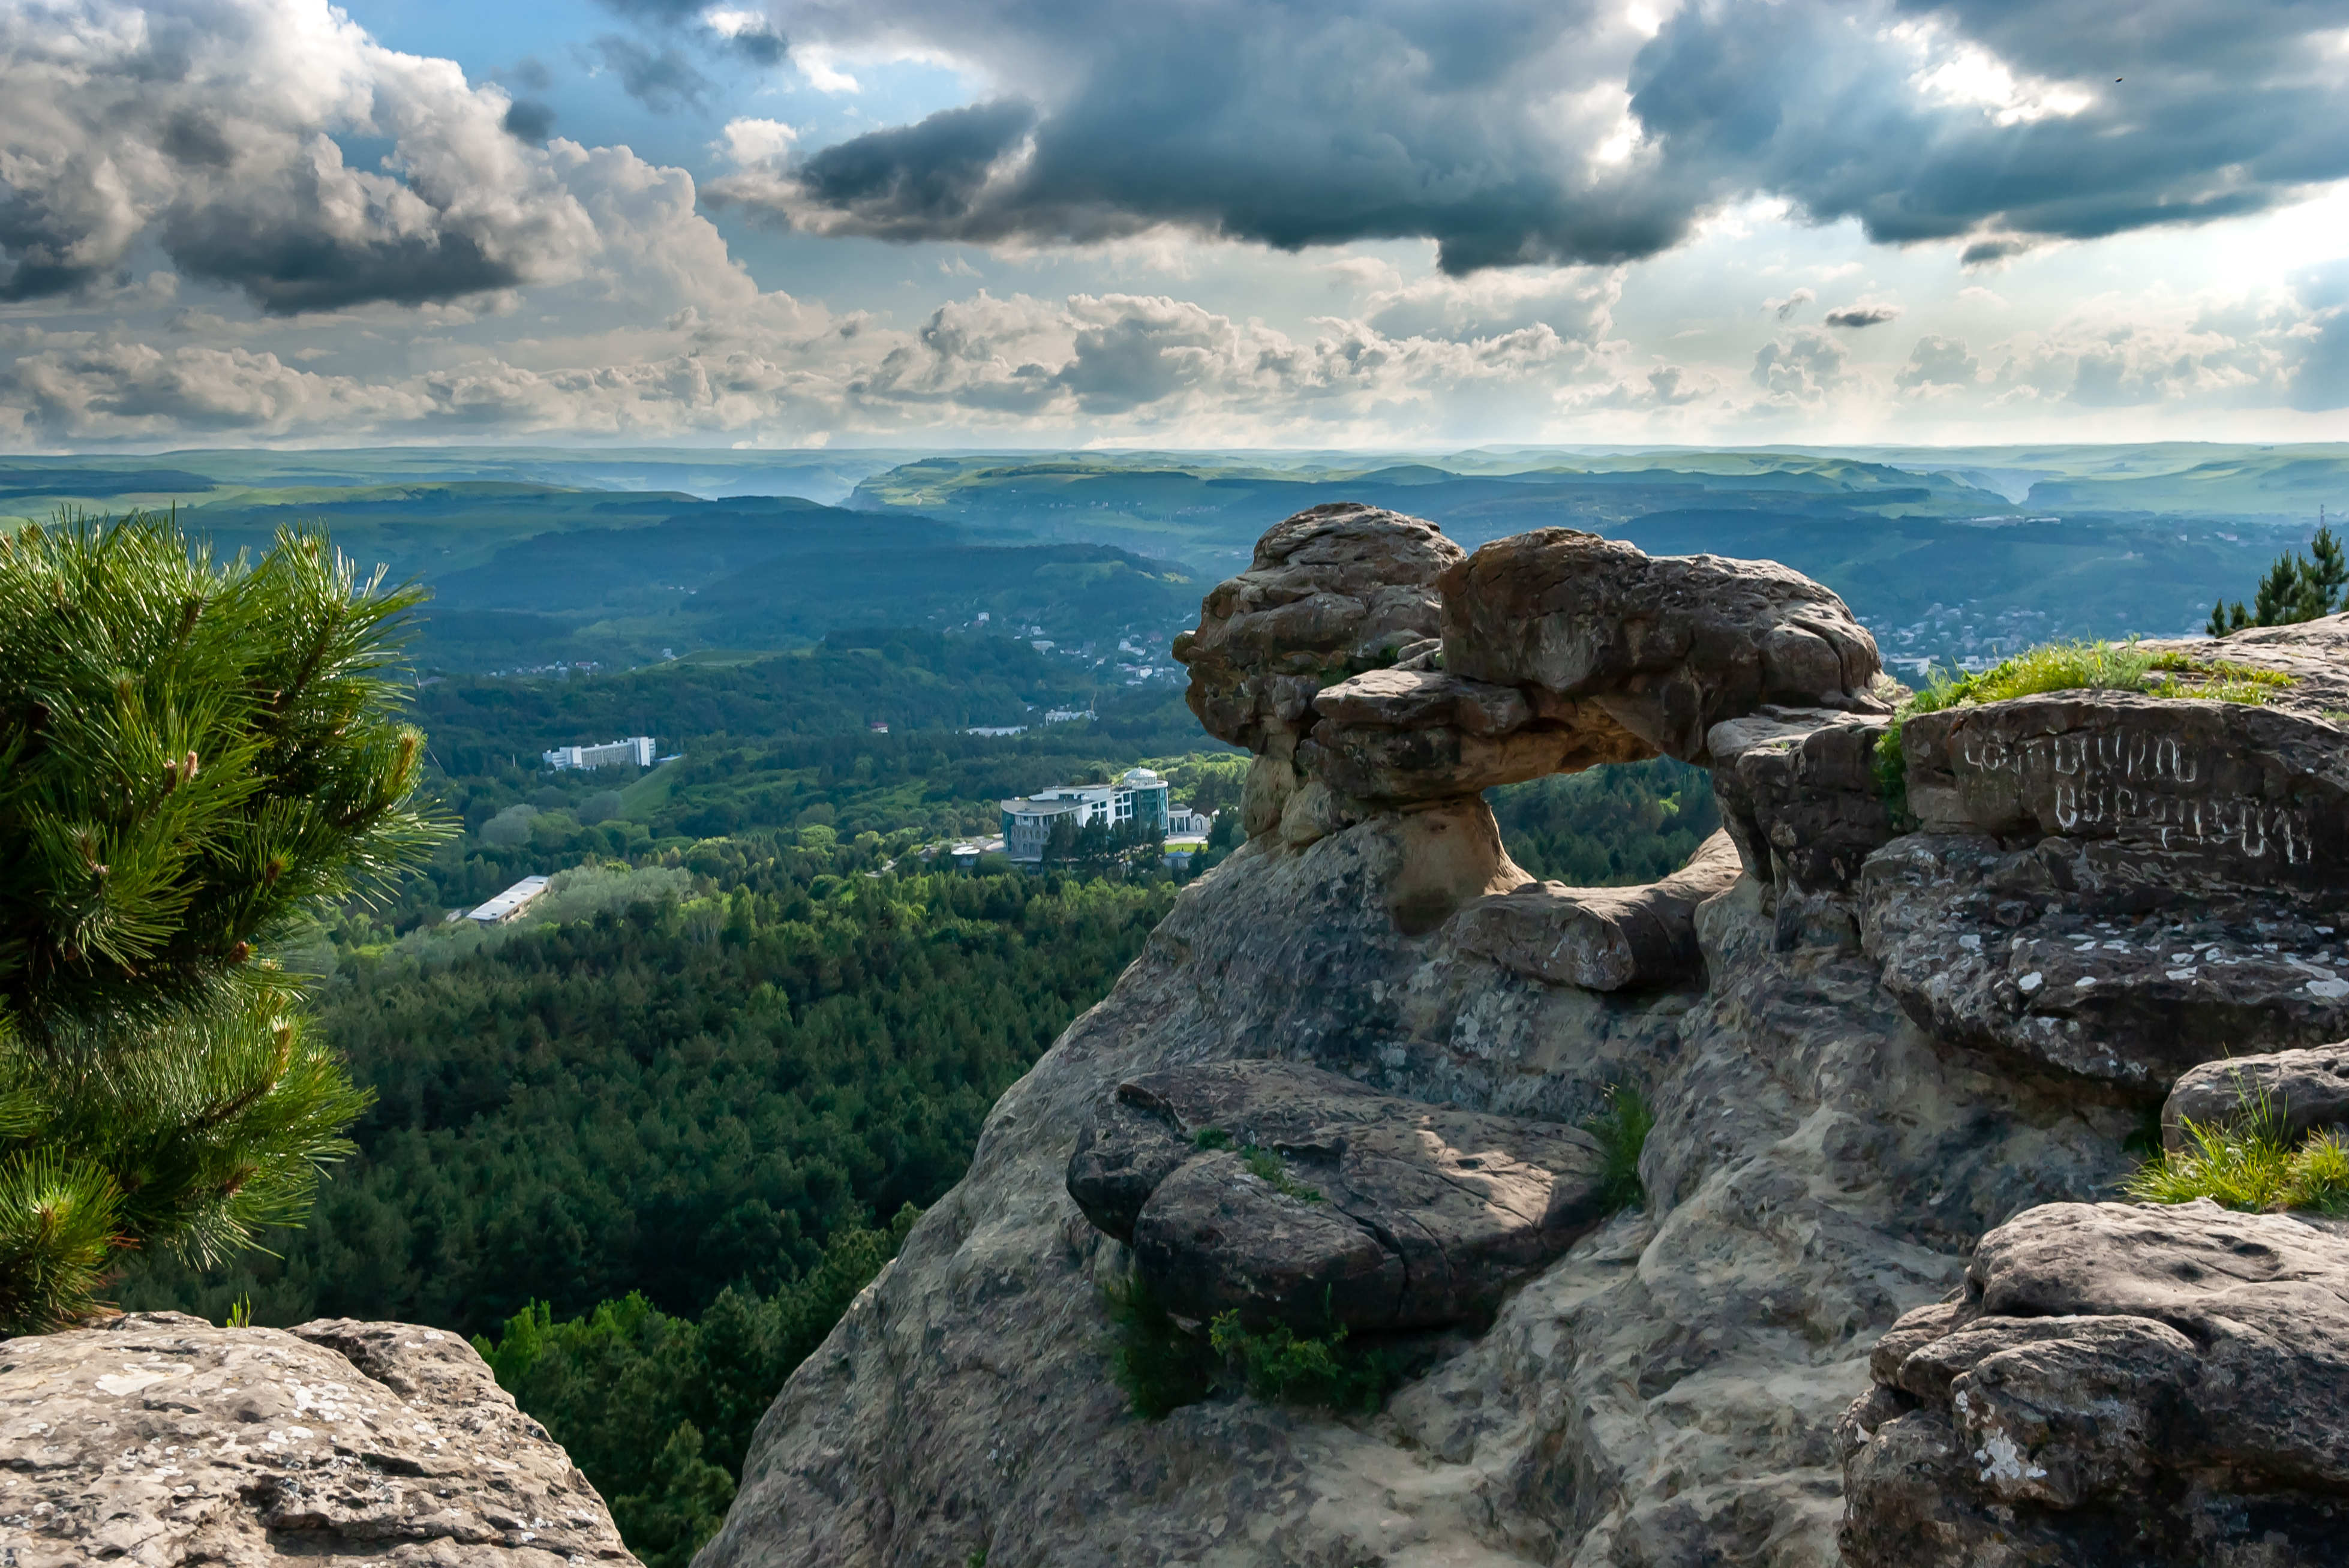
(539, 555)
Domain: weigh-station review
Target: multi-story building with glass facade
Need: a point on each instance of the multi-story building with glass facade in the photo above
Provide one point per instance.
(1138, 797)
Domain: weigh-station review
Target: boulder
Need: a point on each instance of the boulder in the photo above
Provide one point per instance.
(1395, 736)
(2194, 792)
(2117, 1384)
(1663, 647)
(160, 1440)
(1799, 796)
(2068, 955)
(1601, 938)
(2302, 1091)
(1331, 591)
(1293, 1195)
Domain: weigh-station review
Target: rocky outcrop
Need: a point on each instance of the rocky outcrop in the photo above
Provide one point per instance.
(1601, 938)
(159, 1439)
(2117, 1385)
(2294, 1093)
(1664, 1391)
(1372, 1212)
(1664, 646)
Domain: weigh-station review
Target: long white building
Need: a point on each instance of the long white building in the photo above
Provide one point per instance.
(637, 750)
(1138, 795)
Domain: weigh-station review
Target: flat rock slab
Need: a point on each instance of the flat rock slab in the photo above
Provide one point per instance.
(160, 1440)
(1666, 645)
(2119, 1384)
(2069, 956)
(1602, 938)
(2302, 1091)
(1384, 1213)
(2200, 793)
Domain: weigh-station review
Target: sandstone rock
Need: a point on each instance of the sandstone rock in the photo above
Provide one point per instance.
(1333, 590)
(1386, 1213)
(2195, 792)
(2119, 1384)
(1601, 938)
(1394, 737)
(2304, 1091)
(2069, 956)
(2316, 654)
(1799, 795)
(160, 1440)
(1666, 647)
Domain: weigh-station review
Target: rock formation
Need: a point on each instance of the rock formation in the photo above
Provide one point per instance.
(1871, 1043)
(1379, 1213)
(159, 1439)
(2294, 1092)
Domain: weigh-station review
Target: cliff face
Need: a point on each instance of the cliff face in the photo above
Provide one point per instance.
(1868, 1051)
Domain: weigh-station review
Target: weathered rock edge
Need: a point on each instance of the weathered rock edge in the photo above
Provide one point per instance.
(161, 1439)
(2118, 1384)
(1399, 1214)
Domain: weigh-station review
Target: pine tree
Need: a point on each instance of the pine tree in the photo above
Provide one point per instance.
(2294, 590)
(191, 755)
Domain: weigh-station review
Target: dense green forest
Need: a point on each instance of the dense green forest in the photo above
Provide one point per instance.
(1607, 827)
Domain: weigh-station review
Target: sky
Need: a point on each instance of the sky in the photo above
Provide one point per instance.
(1178, 223)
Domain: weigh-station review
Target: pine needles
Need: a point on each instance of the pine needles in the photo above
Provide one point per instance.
(192, 756)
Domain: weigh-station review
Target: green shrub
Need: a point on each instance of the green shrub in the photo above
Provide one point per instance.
(1211, 1137)
(1621, 1127)
(1162, 1366)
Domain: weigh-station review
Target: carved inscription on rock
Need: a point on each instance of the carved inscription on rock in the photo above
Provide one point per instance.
(2257, 794)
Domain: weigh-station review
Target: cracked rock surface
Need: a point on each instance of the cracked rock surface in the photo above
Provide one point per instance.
(2118, 1384)
(161, 1440)
(1378, 1212)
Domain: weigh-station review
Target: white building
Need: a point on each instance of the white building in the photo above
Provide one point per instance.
(1138, 795)
(511, 902)
(1182, 820)
(637, 751)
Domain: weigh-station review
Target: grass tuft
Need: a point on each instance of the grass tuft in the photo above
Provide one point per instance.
(1621, 1127)
(1270, 1168)
(1211, 1137)
(2248, 1165)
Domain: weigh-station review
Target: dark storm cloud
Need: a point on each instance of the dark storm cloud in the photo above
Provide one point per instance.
(1478, 125)
(529, 122)
(761, 46)
(1857, 315)
(663, 80)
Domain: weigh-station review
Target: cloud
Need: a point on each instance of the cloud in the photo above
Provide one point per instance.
(1859, 315)
(1938, 361)
(664, 80)
(1785, 308)
(209, 128)
(1799, 371)
(529, 122)
(1563, 133)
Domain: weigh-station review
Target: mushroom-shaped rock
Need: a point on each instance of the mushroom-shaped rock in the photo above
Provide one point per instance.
(1394, 737)
(2295, 1092)
(1333, 590)
(1293, 1195)
(2119, 1384)
(161, 1439)
(1666, 647)
(1601, 938)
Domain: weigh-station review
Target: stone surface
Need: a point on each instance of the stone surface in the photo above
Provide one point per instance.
(159, 1439)
(1601, 938)
(1331, 591)
(2302, 1091)
(1386, 1213)
(2069, 954)
(1664, 646)
(1799, 796)
(1392, 736)
(2117, 1384)
(2194, 792)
